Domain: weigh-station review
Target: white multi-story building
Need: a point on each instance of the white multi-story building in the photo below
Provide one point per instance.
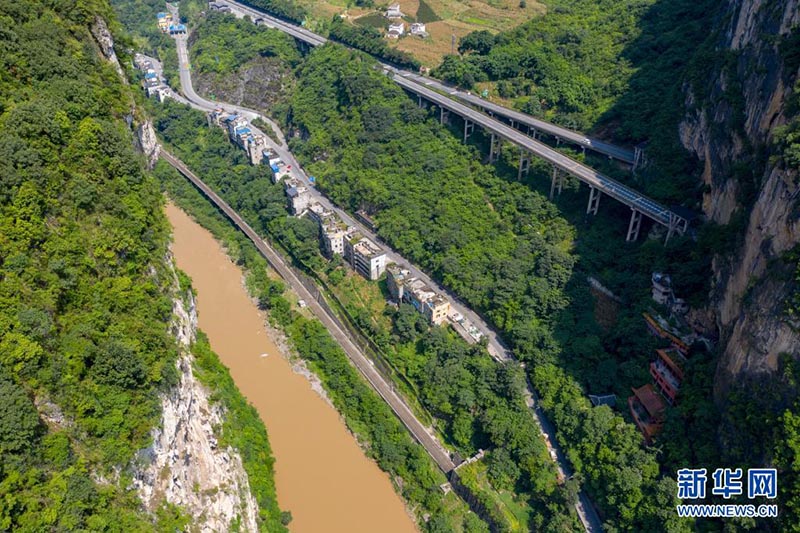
(662, 288)
(396, 29)
(396, 278)
(298, 195)
(418, 28)
(366, 257)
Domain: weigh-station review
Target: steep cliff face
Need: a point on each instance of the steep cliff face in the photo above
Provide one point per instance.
(185, 465)
(731, 132)
(148, 143)
(259, 83)
(105, 41)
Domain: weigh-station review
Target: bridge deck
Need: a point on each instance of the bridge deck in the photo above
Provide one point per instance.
(623, 154)
(617, 152)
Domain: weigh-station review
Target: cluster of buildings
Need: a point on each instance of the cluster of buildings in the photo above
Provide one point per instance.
(369, 259)
(153, 85)
(167, 25)
(397, 27)
(406, 288)
(241, 134)
(337, 238)
(649, 402)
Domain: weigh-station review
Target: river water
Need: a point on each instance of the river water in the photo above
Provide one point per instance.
(322, 476)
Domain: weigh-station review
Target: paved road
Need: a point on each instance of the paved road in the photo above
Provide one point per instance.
(419, 431)
(410, 82)
(496, 347)
(184, 71)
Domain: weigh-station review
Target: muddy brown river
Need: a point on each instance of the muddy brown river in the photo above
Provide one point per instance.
(322, 476)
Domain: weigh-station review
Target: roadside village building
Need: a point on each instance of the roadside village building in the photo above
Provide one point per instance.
(403, 287)
(366, 257)
(299, 197)
(239, 132)
(164, 21)
(393, 12)
(332, 230)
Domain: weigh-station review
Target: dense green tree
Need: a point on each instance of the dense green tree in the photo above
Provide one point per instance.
(479, 42)
(19, 420)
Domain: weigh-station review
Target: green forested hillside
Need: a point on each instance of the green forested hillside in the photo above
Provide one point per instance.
(222, 44)
(85, 290)
(581, 59)
(83, 305)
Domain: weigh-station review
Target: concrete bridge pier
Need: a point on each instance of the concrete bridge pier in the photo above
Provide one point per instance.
(532, 132)
(524, 163)
(557, 181)
(638, 156)
(468, 127)
(494, 148)
(419, 100)
(634, 226)
(676, 225)
(444, 115)
(594, 201)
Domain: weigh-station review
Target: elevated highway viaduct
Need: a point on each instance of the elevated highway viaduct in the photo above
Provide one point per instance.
(599, 185)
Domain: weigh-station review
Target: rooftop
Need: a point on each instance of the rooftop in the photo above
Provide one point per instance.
(420, 290)
(333, 224)
(650, 400)
(673, 359)
(436, 301)
(367, 248)
(295, 191)
(398, 272)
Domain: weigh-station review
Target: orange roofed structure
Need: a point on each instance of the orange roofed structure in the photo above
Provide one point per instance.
(667, 372)
(647, 409)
